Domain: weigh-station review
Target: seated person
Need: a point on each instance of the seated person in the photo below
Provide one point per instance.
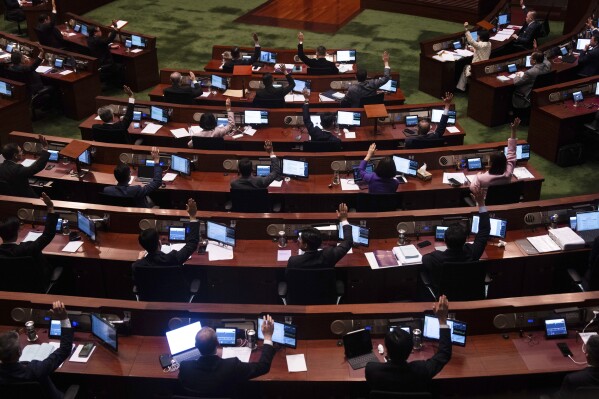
(236, 58)
(15, 174)
(122, 174)
(365, 87)
(586, 378)
(14, 11)
(115, 130)
(501, 167)
(31, 77)
(399, 375)
(272, 96)
(212, 376)
(248, 182)
(424, 128)
(12, 371)
(9, 232)
(149, 239)
(382, 180)
(524, 40)
(47, 33)
(588, 61)
(481, 49)
(319, 65)
(209, 127)
(310, 241)
(193, 90)
(524, 81)
(99, 47)
(327, 121)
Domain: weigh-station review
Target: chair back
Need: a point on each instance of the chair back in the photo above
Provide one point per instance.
(110, 136)
(250, 200)
(320, 71)
(311, 286)
(23, 390)
(376, 99)
(208, 143)
(321, 146)
(113, 200)
(544, 80)
(161, 283)
(269, 102)
(593, 280)
(504, 194)
(178, 98)
(5, 188)
(366, 202)
(463, 281)
(21, 274)
(586, 393)
(419, 144)
(399, 395)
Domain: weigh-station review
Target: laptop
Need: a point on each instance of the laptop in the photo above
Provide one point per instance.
(587, 226)
(358, 349)
(182, 342)
(145, 173)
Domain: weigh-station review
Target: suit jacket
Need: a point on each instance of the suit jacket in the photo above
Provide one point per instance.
(523, 85)
(432, 263)
(48, 35)
(527, 33)
(32, 79)
(99, 48)
(364, 89)
(212, 376)
(321, 66)
(17, 175)
(316, 133)
(376, 184)
(326, 258)
(482, 49)
(414, 376)
(256, 182)
(589, 377)
(192, 91)
(117, 132)
(40, 370)
(137, 192)
(588, 62)
(14, 10)
(173, 258)
(228, 66)
(411, 142)
(272, 96)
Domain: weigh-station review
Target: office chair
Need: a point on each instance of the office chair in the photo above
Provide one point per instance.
(321, 146)
(399, 395)
(591, 135)
(32, 389)
(417, 143)
(110, 136)
(250, 200)
(311, 287)
(586, 393)
(268, 103)
(366, 202)
(5, 188)
(178, 98)
(590, 280)
(40, 100)
(14, 17)
(376, 99)
(208, 143)
(320, 71)
(113, 200)
(22, 274)
(163, 284)
(501, 194)
(459, 281)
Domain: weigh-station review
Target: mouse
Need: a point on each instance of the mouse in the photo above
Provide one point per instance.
(225, 174)
(163, 185)
(506, 336)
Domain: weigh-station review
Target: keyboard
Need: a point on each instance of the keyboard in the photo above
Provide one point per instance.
(359, 362)
(588, 236)
(144, 179)
(190, 355)
(410, 132)
(570, 59)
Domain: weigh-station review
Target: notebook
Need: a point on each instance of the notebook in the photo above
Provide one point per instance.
(182, 342)
(358, 349)
(587, 226)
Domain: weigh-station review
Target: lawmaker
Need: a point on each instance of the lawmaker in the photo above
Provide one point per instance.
(319, 65)
(365, 87)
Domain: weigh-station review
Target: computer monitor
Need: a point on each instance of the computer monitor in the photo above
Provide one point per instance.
(262, 170)
(176, 233)
(300, 85)
(582, 43)
(138, 41)
(218, 81)
(220, 233)
(359, 234)
(137, 116)
(53, 156)
(10, 47)
(474, 35)
(474, 163)
(222, 121)
(503, 19)
(563, 50)
(284, 334)
(86, 226)
(77, 28)
(295, 168)
(390, 86)
(451, 116)
(58, 62)
(128, 43)
(522, 152)
(346, 56)
(345, 118)
(85, 158)
(226, 336)
(587, 221)
(556, 328)
(440, 232)
(436, 115)
(528, 63)
(405, 166)
(268, 58)
(457, 45)
(5, 89)
(84, 31)
(105, 332)
(577, 96)
(511, 68)
(181, 165)
(597, 89)
(158, 114)
(256, 117)
(458, 330)
(411, 120)
(498, 226)
(315, 119)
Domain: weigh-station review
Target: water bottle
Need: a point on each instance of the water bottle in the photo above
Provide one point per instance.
(65, 227)
(416, 339)
(282, 239)
(336, 179)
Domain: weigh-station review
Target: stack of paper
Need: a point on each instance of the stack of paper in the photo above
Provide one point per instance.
(381, 259)
(289, 98)
(38, 352)
(173, 247)
(503, 78)
(42, 69)
(501, 37)
(522, 173)
(544, 244)
(32, 236)
(242, 353)
(217, 252)
(349, 185)
(325, 99)
(169, 177)
(345, 68)
(233, 93)
(151, 128)
(459, 176)
(464, 52)
(249, 131)
(296, 363)
(179, 133)
(408, 255)
(72, 247)
(452, 129)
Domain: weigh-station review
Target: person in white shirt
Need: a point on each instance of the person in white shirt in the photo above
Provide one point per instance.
(482, 51)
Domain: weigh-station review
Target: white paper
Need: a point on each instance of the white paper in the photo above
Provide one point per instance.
(233, 93)
(345, 68)
(464, 52)
(151, 128)
(338, 95)
(349, 185)
(459, 176)
(325, 99)
(75, 357)
(584, 336)
(249, 131)
(28, 162)
(169, 177)
(506, 31)
(407, 255)
(296, 363)
(120, 24)
(501, 36)
(137, 50)
(503, 78)
(218, 252)
(205, 94)
(165, 248)
(543, 243)
(441, 248)
(350, 135)
(42, 69)
(32, 236)
(237, 136)
(242, 353)
(289, 98)
(276, 183)
(71, 34)
(73, 246)
(97, 118)
(37, 352)
(452, 129)
(66, 72)
(522, 173)
(181, 132)
(283, 255)
(195, 129)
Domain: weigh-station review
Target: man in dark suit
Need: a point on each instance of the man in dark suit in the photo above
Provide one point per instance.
(588, 61)
(47, 33)
(149, 239)
(114, 130)
(272, 96)
(16, 175)
(236, 56)
(427, 138)
(122, 173)
(212, 376)
(319, 65)
(587, 378)
(524, 81)
(99, 47)
(327, 121)
(524, 40)
(9, 232)
(457, 249)
(366, 87)
(310, 241)
(14, 11)
(11, 370)
(248, 182)
(192, 91)
(31, 78)
(399, 375)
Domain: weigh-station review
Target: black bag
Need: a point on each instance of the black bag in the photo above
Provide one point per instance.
(570, 155)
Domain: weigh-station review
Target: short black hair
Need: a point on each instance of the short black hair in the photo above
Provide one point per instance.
(267, 79)
(9, 229)
(483, 35)
(122, 173)
(327, 120)
(361, 75)
(208, 121)
(16, 57)
(385, 168)
(455, 236)
(312, 238)
(538, 56)
(10, 150)
(595, 36)
(149, 240)
(245, 167)
(9, 346)
(235, 53)
(42, 17)
(424, 126)
(498, 163)
(321, 51)
(399, 345)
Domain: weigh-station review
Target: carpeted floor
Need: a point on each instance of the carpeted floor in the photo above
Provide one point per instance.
(187, 29)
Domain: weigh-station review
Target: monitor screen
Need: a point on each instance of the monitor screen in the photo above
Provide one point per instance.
(128, 43)
(181, 165)
(268, 57)
(390, 86)
(587, 221)
(226, 336)
(405, 166)
(176, 233)
(528, 64)
(85, 157)
(582, 43)
(86, 225)
(137, 116)
(345, 118)
(346, 55)
(458, 330)
(58, 62)
(457, 45)
(218, 81)
(315, 119)
(503, 19)
(436, 115)
(356, 170)
(10, 47)
(284, 334)
(138, 41)
(295, 168)
(563, 50)
(222, 121)
(573, 222)
(300, 85)
(53, 156)
(406, 329)
(105, 332)
(256, 117)
(262, 170)
(498, 226)
(577, 96)
(440, 232)
(474, 35)
(597, 90)
(511, 68)
(474, 163)
(183, 338)
(556, 328)
(84, 31)
(359, 234)
(522, 152)
(5, 89)
(411, 120)
(451, 115)
(158, 114)
(220, 233)
(77, 28)
(55, 330)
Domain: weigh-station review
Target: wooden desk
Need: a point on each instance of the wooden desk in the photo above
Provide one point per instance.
(216, 66)
(15, 112)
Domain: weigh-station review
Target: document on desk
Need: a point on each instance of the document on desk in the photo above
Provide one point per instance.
(296, 363)
(38, 352)
(72, 247)
(205, 94)
(501, 37)
(349, 185)
(42, 69)
(283, 255)
(75, 357)
(464, 52)
(242, 353)
(408, 255)
(350, 135)
(324, 99)
(249, 131)
(120, 24)
(218, 252)
(503, 78)
(28, 162)
(165, 248)
(179, 133)
(452, 129)
(343, 68)
(169, 177)
(289, 98)
(544, 244)
(151, 128)
(32, 236)
(522, 173)
(233, 93)
(137, 50)
(276, 183)
(66, 72)
(459, 176)
(381, 259)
